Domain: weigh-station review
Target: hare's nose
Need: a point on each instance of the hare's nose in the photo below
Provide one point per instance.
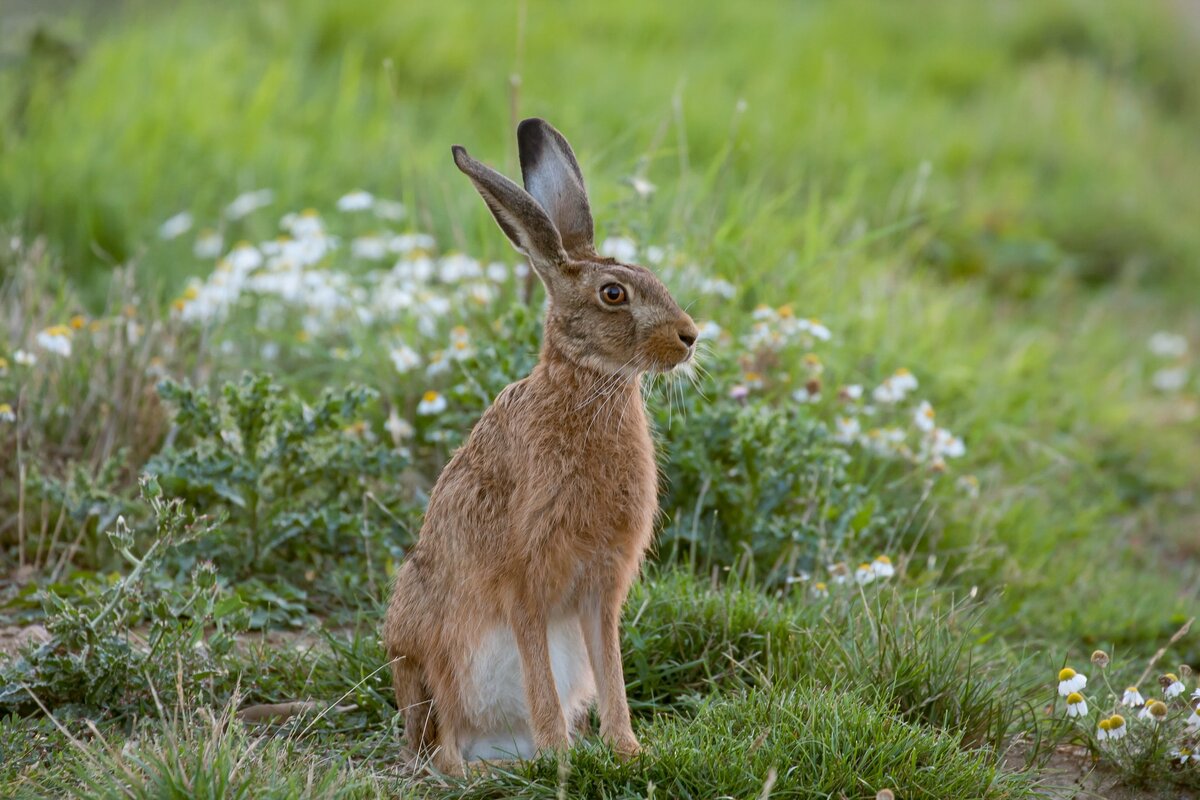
(687, 338)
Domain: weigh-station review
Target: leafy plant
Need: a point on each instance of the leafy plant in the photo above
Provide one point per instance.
(100, 656)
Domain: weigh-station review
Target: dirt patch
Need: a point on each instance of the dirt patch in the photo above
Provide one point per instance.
(1070, 774)
(15, 637)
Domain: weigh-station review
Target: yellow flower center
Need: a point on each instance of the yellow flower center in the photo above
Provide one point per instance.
(819, 585)
(1171, 678)
(309, 212)
(1116, 721)
(5, 408)
(1105, 724)
(864, 565)
(1158, 708)
(1132, 689)
(903, 371)
(430, 396)
(883, 559)
(1066, 674)
(1075, 698)
(78, 321)
(785, 311)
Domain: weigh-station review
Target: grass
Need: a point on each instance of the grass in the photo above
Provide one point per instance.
(1000, 198)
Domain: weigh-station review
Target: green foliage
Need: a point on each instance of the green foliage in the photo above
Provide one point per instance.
(751, 479)
(291, 479)
(98, 658)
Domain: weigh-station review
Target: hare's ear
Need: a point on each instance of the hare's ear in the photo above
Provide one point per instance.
(518, 215)
(552, 176)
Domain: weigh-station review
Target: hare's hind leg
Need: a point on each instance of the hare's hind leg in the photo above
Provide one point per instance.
(416, 704)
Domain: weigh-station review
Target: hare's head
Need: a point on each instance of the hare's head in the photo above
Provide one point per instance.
(603, 314)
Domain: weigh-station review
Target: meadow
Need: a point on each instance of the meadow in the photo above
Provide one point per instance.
(939, 462)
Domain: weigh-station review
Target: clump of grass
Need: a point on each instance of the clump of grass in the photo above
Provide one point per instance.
(805, 741)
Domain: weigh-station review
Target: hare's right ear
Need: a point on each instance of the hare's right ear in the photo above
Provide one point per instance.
(518, 215)
(553, 177)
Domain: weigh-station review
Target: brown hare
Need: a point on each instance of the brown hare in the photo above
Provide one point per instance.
(503, 626)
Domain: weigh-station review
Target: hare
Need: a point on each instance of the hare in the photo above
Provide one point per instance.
(503, 626)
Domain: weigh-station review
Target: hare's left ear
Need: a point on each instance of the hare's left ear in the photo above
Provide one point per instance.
(552, 176)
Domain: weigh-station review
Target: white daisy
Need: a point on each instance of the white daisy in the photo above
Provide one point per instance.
(655, 255)
(1076, 705)
(6, 413)
(1168, 345)
(1154, 710)
(399, 428)
(923, 417)
(1170, 380)
(496, 272)
(369, 248)
(24, 359)
(708, 331)
(1116, 727)
(642, 187)
(864, 574)
(1132, 697)
(619, 247)
(56, 339)
(846, 430)
(176, 226)
(850, 393)
(1193, 721)
(1070, 681)
(356, 201)
(390, 209)
(882, 567)
(405, 358)
(431, 403)
(208, 244)
(1171, 685)
(248, 202)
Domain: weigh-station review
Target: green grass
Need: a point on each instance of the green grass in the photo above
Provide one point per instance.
(1001, 198)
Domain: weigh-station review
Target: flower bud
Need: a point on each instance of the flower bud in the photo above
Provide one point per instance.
(1100, 659)
(120, 536)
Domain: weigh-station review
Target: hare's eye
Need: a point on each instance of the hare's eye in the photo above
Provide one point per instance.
(613, 294)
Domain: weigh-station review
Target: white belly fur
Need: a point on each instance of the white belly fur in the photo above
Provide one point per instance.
(494, 695)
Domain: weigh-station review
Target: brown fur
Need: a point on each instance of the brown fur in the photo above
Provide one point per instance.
(548, 507)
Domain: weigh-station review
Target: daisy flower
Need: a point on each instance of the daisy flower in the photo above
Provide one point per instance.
(208, 244)
(356, 201)
(1155, 711)
(642, 187)
(839, 573)
(1170, 380)
(1076, 705)
(1184, 754)
(369, 248)
(249, 202)
(1116, 727)
(1168, 345)
(820, 589)
(405, 358)
(1193, 721)
(850, 393)
(619, 247)
(709, 331)
(399, 428)
(1132, 697)
(864, 574)
(6, 413)
(1070, 681)
(882, 567)
(846, 430)
(923, 417)
(176, 226)
(496, 272)
(431, 403)
(1102, 729)
(24, 359)
(1171, 685)
(56, 339)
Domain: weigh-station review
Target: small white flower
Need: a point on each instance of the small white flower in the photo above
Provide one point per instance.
(905, 380)
(411, 242)
(655, 255)
(1154, 710)
(846, 430)
(6, 413)
(1172, 686)
(619, 247)
(56, 339)
(1170, 380)
(887, 393)
(708, 331)
(1076, 705)
(1132, 697)
(1070, 681)
(23, 358)
(369, 248)
(438, 364)
(390, 210)
(819, 589)
(405, 358)
(248, 202)
(763, 313)
(851, 392)
(882, 567)
(356, 201)
(864, 574)
(1117, 727)
(839, 573)
(642, 187)
(805, 395)
(923, 416)
(431, 403)
(244, 258)
(209, 244)
(1193, 721)
(719, 287)
(1102, 730)
(1183, 754)
(399, 429)
(305, 225)
(968, 485)
(496, 272)
(818, 331)
(1168, 345)
(176, 226)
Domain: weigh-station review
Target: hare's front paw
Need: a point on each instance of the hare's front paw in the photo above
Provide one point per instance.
(625, 744)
